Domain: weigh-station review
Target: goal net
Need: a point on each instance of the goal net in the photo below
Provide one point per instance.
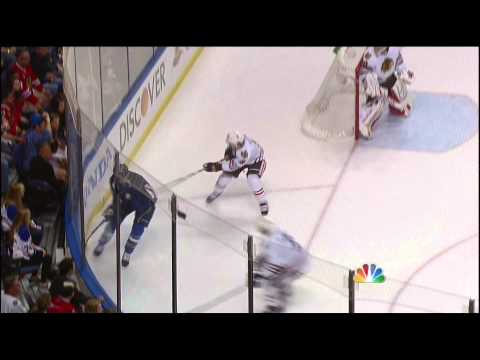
(334, 111)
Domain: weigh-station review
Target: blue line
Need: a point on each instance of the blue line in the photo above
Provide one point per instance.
(115, 117)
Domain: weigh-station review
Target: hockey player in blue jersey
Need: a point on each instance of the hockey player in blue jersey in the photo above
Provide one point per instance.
(135, 195)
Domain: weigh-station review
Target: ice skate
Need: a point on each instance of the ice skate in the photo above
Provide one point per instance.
(98, 250)
(271, 309)
(125, 259)
(264, 208)
(212, 197)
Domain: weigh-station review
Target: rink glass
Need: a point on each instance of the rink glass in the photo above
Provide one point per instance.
(211, 257)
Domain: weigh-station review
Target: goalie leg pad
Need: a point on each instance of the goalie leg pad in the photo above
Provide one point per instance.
(371, 86)
(369, 115)
(398, 99)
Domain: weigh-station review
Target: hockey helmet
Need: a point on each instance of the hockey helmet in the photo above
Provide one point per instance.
(120, 176)
(265, 226)
(380, 49)
(122, 170)
(235, 139)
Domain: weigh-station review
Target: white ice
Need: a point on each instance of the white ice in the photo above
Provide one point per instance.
(397, 209)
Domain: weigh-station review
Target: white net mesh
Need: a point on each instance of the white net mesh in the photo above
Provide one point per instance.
(332, 112)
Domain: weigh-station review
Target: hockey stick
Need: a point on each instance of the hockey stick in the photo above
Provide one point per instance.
(178, 181)
(181, 214)
(95, 229)
(172, 183)
(183, 178)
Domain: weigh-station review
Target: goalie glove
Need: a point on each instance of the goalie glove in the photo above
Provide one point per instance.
(212, 166)
(407, 76)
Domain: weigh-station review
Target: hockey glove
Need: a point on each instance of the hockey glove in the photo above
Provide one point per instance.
(212, 166)
(257, 280)
(229, 153)
(108, 213)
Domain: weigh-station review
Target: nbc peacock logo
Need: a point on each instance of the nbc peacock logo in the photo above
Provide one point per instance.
(369, 274)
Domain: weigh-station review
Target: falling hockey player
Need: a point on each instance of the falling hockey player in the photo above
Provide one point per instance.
(280, 262)
(241, 153)
(135, 195)
(384, 78)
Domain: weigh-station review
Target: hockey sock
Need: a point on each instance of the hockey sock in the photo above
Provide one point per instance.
(106, 235)
(256, 186)
(222, 183)
(131, 244)
(135, 235)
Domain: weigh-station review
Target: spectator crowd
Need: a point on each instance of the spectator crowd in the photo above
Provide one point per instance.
(34, 183)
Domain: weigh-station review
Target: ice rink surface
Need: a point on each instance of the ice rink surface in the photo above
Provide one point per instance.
(413, 213)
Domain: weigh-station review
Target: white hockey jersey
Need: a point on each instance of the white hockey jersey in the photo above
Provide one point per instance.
(6, 222)
(249, 154)
(13, 305)
(24, 249)
(281, 250)
(384, 64)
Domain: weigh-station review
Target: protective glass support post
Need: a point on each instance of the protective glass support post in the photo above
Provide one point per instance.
(128, 69)
(116, 205)
(351, 292)
(75, 71)
(471, 306)
(250, 273)
(173, 208)
(357, 101)
(101, 82)
(82, 203)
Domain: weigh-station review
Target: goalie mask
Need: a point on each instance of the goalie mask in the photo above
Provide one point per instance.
(379, 50)
(234, 140)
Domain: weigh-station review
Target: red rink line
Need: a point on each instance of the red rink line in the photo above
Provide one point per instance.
(269, 191)
(424, 265)
(332, 194)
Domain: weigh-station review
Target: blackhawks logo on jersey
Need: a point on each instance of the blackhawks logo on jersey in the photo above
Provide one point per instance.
(387, 65)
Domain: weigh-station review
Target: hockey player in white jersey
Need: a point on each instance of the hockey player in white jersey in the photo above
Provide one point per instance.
(242, 153)
(281, 261)
(384, 79)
